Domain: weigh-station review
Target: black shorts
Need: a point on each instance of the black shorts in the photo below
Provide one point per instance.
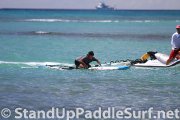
(77, 63)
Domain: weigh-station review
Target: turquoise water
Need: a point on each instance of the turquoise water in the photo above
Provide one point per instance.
(40, 36)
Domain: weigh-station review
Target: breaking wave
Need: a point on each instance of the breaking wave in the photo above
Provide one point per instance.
(34, 64)
(88, 21)
(69, 20)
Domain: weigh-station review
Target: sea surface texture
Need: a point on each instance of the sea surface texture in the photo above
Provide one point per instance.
(30, 39)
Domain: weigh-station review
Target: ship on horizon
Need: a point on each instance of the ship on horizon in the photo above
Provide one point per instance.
(103, 6)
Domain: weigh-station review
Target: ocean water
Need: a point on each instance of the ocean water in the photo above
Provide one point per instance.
(31, 38)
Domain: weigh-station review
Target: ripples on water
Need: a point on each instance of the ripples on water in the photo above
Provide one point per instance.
(29, 37)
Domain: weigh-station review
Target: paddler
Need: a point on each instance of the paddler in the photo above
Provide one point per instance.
(84, 62)
(175, 42)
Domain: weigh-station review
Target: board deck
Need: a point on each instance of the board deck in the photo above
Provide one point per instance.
(91, 68)
(109, 68)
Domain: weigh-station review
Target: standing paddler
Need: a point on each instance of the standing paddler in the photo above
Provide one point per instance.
(175, 42)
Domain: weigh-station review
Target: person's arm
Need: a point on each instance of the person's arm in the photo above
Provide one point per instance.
(94, 59)
(98, 62)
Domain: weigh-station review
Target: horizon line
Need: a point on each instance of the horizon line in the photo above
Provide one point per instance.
(85, 9)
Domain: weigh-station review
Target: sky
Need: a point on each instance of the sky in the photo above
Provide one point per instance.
(90, 4)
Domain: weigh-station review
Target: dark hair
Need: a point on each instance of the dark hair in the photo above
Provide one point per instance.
(91, 53)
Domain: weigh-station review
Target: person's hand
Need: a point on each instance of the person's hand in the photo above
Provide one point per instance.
(97, 65)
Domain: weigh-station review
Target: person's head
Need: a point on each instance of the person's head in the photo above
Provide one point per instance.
(178, 29)
(90, 54)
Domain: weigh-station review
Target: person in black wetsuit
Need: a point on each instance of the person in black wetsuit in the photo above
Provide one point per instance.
(84, 62)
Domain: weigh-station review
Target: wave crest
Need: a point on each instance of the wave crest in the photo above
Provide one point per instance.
(68, 20)
(88, 21)
(35, 64)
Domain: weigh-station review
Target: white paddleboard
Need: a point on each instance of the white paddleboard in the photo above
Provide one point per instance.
(92, 68)
(109, 68)
(159, 62)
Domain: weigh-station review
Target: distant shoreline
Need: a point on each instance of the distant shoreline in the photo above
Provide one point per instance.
(89, 9)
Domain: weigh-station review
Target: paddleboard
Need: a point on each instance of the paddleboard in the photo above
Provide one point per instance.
(110, 68)
(91, 68)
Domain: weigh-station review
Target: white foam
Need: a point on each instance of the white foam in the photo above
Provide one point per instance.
(41, 20)
(41, 32)
(151, 21)
(29, 67)
(142, 21)
(90, 21)
(35, 63)
(67, 20)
